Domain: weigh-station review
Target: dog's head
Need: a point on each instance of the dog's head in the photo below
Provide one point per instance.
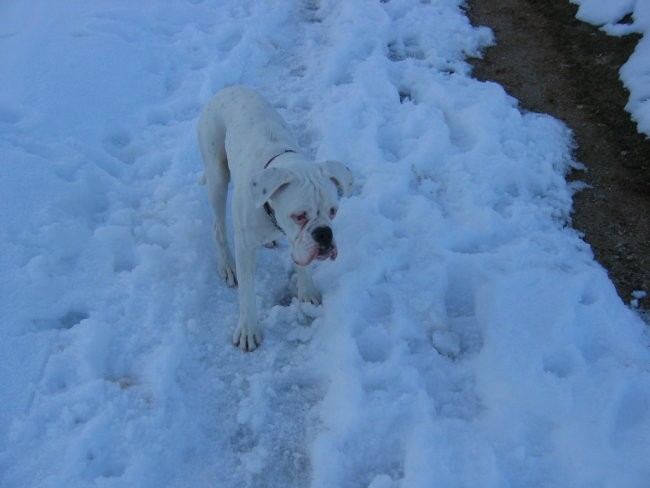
(305, 200)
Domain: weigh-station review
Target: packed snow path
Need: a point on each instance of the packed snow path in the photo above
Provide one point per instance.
(467, 337)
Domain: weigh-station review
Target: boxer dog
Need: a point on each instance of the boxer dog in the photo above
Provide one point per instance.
(276, 190)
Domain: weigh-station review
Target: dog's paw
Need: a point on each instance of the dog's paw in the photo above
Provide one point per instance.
(307, 290)
(247, 338)
(227, 272)
(309, 295)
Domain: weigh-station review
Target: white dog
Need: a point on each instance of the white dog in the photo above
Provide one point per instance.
(276, 190)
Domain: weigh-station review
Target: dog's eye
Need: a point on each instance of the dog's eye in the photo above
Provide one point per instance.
(332, 213)
(300, 218)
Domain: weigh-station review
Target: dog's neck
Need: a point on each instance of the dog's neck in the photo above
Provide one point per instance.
(271, 213)
(267, 207)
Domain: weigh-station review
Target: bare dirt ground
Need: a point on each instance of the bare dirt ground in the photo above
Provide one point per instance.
(555, 64)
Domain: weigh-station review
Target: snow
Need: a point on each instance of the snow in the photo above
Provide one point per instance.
(467, 336)
(635, 73)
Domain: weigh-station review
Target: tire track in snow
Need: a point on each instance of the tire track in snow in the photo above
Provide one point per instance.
(254, 420)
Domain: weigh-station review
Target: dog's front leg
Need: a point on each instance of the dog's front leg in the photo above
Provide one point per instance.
(247, 335)
(307, 291)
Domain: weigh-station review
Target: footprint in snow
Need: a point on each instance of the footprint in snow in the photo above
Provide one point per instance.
(118, 143)
(68, 320)
(375, 344)
(402, 50)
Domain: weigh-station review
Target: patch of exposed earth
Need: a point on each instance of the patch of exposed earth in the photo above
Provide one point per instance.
(553, 63)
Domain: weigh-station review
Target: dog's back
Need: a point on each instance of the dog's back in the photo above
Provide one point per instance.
(235, 117)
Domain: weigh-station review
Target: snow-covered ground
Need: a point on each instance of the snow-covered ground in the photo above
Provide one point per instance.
(622, 17)
(467, 337)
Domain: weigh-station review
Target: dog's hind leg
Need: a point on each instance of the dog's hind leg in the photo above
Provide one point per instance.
(217, 177)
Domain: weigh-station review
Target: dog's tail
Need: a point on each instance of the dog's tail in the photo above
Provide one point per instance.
(202, 180)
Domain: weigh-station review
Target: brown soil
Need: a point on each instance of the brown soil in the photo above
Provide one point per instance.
(555, 64)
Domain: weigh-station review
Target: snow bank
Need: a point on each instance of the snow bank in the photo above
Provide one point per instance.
(467, 337)
(635, 74)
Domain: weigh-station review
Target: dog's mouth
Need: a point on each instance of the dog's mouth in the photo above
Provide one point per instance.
(319, 253)
(326, 253)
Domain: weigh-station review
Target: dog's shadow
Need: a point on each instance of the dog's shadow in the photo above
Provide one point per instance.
(286, 298)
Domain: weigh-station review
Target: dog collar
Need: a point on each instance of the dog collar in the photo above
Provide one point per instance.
(278, 155)
(267, 208)
(271, 213)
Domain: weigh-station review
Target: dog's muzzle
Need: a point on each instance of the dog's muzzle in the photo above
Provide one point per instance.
(324, 237)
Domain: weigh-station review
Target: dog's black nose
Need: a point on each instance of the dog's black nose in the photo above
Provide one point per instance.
(323, 236)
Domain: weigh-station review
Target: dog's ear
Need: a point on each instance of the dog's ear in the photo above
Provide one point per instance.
(268, 181)
(339, 174)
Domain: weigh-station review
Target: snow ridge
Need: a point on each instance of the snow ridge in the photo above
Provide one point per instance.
(467, 337)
